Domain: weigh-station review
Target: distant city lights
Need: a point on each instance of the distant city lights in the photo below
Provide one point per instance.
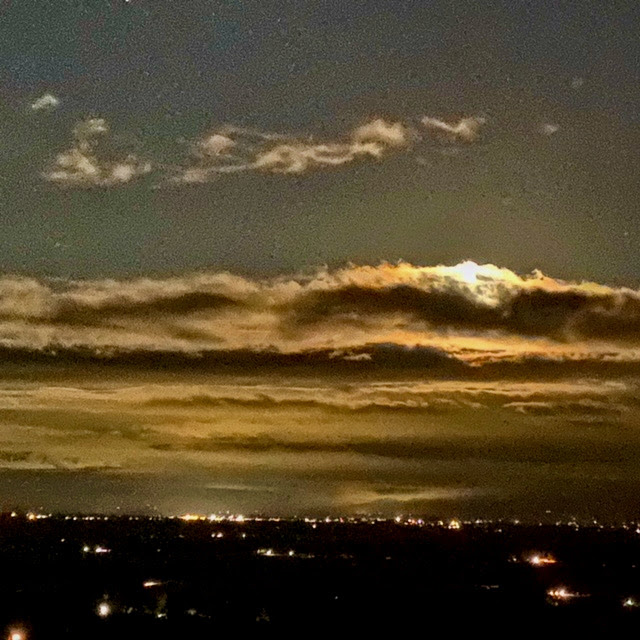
(32, 517)
(405, 520)
(243, 535)
(560, 595)
(98, 549)
(192, 517)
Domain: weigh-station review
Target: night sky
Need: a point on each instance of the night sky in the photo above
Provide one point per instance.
(320, 256)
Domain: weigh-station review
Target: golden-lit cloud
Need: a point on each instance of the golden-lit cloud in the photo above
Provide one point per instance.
(467, 313)
(370, 387)
(354, 442)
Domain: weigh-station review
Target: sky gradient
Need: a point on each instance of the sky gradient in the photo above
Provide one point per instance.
(320, 257)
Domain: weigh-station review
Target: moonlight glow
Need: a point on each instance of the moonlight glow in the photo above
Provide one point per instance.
(320, 258)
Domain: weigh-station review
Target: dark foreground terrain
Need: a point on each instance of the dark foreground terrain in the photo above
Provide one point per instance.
(87, 577)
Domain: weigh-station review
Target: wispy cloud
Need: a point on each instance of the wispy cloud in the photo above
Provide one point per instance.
(97, 159)
(372, 139)
(234, 149)
(46, 102)
(300, 157)
(548, 128)
(91, 161)
(465, 130)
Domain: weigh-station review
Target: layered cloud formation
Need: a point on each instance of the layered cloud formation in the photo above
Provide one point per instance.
(288, 442)
(366, 388)
(471, 313)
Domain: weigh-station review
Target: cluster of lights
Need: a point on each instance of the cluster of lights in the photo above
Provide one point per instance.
(192, 517)
(236, 518)
(98, 550)
(199, 517)
(31, 517)
(562, 594)
(406, 520)
(270, 553)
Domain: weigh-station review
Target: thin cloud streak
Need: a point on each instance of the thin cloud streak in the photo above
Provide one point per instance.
(465, 130)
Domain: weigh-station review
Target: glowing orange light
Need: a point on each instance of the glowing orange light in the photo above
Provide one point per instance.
(540, 560)
(192, 517)
(562, 594)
